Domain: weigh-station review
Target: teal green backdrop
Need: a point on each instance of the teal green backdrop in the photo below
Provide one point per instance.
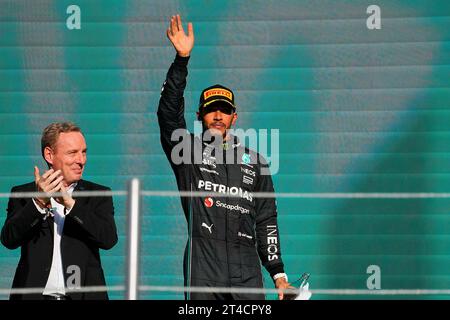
(358, 110)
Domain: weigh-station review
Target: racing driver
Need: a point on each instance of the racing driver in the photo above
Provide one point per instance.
(232, 233)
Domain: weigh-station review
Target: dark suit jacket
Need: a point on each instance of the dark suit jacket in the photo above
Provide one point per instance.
(88, 227)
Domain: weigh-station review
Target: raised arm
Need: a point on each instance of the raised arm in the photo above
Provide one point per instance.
(171, 104)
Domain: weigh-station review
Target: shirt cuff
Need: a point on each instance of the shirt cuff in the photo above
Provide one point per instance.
(43, 211)
(280, 275)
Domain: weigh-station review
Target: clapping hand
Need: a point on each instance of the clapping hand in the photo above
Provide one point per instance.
(50, 182)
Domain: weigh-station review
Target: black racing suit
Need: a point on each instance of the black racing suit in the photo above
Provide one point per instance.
(226, 233)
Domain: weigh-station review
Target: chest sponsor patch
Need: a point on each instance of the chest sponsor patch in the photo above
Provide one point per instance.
(232, 207)
(221, 188)
(209, 202)
(248, 172)
(246, 159)
(209, 171)
(247, 180)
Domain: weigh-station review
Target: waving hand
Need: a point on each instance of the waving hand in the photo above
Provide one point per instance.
(182, 42)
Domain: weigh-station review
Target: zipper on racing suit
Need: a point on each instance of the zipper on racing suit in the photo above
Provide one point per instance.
(226, 228)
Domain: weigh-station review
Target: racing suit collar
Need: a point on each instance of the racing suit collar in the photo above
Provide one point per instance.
(232, 141)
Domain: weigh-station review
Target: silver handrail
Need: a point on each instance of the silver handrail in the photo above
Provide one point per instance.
(134, 202)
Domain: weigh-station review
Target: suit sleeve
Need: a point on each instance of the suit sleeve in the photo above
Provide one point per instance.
(96, 219)
(21, 217)
(171, 104)
(267, 232)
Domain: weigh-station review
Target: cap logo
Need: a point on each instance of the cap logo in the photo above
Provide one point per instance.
(218, 92)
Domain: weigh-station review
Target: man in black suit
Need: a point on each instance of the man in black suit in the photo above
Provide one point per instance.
(60, 236)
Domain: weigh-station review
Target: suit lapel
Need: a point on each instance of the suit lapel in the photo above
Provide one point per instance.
(51, 220)
(81, 186)
(80, 200)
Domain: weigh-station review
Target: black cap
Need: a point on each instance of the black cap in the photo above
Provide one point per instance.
(216, 96)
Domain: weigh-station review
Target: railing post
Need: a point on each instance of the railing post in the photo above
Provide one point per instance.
(134, 197)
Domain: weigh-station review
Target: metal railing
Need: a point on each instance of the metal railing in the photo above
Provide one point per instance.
(134, 193)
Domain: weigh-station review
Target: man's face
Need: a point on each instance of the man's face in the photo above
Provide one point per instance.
(68, 155)
(218, 122)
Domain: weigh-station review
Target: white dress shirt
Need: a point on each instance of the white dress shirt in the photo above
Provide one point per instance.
(55, 281)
